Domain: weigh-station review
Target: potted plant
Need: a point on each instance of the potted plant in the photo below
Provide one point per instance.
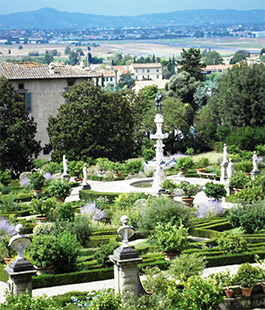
(169, 186)
(261, 268)
(37, 181)
(116, 166)
(214, 190)
(172, 239)
(184, 163)
(43, 252)
(239, 180)
(188, 190)
(59, 189)
(202, 164)
(247, 275)
(40, 207)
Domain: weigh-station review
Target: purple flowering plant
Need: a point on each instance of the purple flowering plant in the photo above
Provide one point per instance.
(25, 183)
(91, 211)
(48, 176)
(210, 208)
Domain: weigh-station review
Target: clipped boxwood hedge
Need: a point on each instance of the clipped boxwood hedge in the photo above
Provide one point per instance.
(97, 241)
(90, 195)
(49, 280)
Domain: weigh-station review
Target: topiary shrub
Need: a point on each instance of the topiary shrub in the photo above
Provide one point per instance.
(102, 254)
(66, 213)
(44, 229)
(215, 190)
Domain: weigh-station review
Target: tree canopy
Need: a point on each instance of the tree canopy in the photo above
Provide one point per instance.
(213, 58)
(240, 96)
(183, 87)
(92, 123)
(191, 63)
(18, 146)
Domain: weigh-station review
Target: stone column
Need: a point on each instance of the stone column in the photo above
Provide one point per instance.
(20, 270)
(125, 259)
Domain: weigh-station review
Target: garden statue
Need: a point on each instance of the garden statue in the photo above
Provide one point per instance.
(224, 165)
(65, 174)
(255, 169)
(85, 185)
(158, 100)
(230, 169)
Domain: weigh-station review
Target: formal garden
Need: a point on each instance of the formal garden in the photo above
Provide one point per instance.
(76, 238)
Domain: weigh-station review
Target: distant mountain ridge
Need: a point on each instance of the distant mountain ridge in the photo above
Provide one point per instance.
(48, 18)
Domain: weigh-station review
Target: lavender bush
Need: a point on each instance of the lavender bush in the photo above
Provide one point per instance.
(210, 209)
(6, 231)
(25, 182)
(48, 176)
(91, 211)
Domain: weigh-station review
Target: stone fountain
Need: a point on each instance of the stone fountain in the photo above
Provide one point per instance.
(159, 164)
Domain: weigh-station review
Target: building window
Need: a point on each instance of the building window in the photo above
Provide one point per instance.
(143, 76)
(148, 70)
(106, 79)
(136, 70)
(111, 79)
(148, 76)
(28, 101)
(157, 76)
(143, 70)
(20, 85)
(157, 70)
(46, 150)
(70, 83)
(136, 77)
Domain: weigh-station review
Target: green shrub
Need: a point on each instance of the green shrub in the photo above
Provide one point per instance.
(232, 243)
(44, 250)
(51, 167)
(75, 168)
(59, 189)
(214, 190)
(244, 165)
(247, 275)
(102, 254)
(36, 180)
(89, 195)
(155, 280)
(39, 162)
(5, 177)
(106, 300)
(164, 210)
(134, 215)
(66, 213)
(8, 203)
(260, 149)
(246, 138)
(44, 229)
(249, 195)
(250, 217)
(126, 200)
(239, 179)
(200, 294)
(187, 265)
(171, 238)
(149, 154)
(184, 162)
(80, 228)
(27, 302)
(203, 162)
(69, 250)
(133, 166)
(169, 185)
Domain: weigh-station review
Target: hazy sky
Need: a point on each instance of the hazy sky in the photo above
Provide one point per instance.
(127, 7)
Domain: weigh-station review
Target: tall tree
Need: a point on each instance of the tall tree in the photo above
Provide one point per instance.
(191, 63)
(183, 86)
(92, 123)
(213, 58)
(18, 146)
(240, 96)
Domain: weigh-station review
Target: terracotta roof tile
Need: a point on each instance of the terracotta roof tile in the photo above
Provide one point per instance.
(23, 72)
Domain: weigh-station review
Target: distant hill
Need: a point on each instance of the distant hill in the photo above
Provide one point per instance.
(48, 18)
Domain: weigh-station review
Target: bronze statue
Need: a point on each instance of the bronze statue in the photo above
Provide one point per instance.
(158, 100)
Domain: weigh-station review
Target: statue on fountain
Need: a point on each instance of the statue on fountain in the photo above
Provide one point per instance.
(158, 100)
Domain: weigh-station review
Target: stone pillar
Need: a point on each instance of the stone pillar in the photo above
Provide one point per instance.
(125, 259)
(20, 270)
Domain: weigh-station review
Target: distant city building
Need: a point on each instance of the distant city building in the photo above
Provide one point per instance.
(146, 71)
(109, 77)
(42, 87)
(141, 84)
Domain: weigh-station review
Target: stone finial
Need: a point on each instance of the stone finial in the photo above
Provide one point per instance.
(125, 231)
(51, 68)
(82, 65)
(19, 242)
